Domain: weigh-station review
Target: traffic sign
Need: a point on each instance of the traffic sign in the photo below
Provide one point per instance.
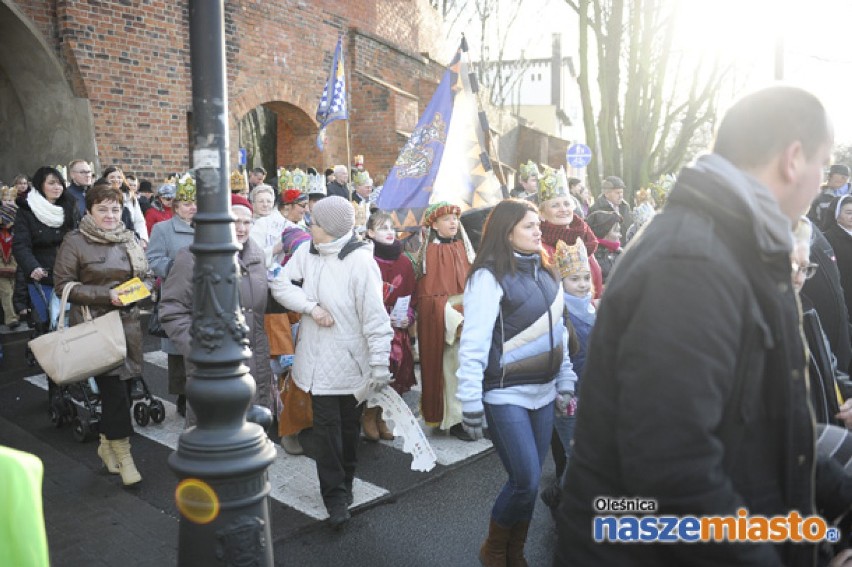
(242, 154)
(578, 155)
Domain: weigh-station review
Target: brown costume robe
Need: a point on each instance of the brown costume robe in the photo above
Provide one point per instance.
(447, 266)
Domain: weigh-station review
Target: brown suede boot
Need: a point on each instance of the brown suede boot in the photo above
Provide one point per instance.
(493, 550)
(368, 424)
(384, 431)
(515, 549)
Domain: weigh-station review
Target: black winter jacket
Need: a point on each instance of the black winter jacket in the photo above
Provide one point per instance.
(698, 397)
(35, 244)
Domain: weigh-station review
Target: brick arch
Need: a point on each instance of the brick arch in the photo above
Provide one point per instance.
(47, 115)
(296, 127)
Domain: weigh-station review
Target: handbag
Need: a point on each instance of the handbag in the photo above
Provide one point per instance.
(154, 326)
(298, 412)
(91, 348)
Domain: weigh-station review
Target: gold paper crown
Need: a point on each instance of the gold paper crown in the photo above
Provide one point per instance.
(527, 170)
(238, 182)
(359, 161)
(296, 179)
(551, 184)
(362, 178)
(185, 188)
(8, 193)
(571, 259)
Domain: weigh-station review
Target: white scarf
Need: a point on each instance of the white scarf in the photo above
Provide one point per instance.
(51, 215)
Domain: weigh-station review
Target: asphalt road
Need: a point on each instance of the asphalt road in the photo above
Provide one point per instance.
(400, 517)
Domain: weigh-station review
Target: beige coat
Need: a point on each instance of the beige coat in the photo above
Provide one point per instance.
(100, 267)
(176, 313)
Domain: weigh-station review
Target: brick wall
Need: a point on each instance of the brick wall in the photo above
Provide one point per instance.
(131, 61)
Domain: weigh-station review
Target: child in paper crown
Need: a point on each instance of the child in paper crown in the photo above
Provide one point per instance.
(578, 291)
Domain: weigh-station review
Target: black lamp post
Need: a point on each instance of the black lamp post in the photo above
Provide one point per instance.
(222, 462)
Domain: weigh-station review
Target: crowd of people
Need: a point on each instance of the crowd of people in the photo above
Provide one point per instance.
(656, 353)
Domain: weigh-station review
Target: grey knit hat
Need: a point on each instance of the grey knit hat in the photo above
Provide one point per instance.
(334, 215)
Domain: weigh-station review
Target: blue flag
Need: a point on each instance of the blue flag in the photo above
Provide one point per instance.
(332, 104)
(444, 158)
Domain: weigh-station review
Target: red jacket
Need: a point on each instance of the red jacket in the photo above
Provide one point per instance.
(155, 215)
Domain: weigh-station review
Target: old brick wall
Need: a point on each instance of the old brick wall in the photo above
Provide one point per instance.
(131, 61)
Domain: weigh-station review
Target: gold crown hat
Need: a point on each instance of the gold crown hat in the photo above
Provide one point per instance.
(185, 188)
(296, 179)
(238, 182)
(552, 183)
(527, 170)
(571, 259)
(362, 178)
(8, 193)
(359, 161)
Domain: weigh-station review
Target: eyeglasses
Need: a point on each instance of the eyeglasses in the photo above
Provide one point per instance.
(808, 270)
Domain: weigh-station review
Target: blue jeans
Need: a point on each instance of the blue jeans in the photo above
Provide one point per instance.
(521, 438)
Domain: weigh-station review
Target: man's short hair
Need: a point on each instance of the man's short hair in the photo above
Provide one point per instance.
(760, 125)
(340, 169)
(259, 170)
(612, 182)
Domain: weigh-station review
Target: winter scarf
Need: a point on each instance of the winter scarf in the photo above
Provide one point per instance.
(51, 215)
(389, 252)
(581, 307)
(120, 235)
(552, 233)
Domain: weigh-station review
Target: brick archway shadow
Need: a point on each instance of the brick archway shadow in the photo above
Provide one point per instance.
(297, 129)
(49, 118)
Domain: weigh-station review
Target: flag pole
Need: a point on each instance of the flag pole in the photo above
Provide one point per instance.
(348, 117)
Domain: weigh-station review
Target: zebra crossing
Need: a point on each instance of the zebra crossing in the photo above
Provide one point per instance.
(293, 478)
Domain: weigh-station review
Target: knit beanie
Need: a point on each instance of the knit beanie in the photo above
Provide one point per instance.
(601, 222)
(334, 215)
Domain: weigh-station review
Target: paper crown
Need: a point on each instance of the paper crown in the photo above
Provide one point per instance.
(362, 178)
(64, 172)
(185, 188)
(238, 182)
(316, 184)
(296, 179)
(552, 183)
(527, 170)
(8, 193)
(571, 259)
(359, 162)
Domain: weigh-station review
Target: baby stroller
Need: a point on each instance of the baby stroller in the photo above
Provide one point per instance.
(79, 404)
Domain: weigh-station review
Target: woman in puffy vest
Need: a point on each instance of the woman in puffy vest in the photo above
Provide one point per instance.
(513, 366)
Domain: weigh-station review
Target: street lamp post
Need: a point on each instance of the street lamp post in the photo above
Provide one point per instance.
(222, 461)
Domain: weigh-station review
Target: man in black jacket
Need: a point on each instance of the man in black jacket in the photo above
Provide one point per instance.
(612, 199)
(697, 394)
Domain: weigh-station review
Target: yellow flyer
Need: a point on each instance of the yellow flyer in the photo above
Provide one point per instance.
(132, 291)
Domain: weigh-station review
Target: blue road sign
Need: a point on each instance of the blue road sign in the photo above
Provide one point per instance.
(578, 155)
(242, 156)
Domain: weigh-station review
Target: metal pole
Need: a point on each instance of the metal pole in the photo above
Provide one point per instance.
(222, 461)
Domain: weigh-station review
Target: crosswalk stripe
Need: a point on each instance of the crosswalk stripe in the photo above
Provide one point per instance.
(293, 478)
(448, 449)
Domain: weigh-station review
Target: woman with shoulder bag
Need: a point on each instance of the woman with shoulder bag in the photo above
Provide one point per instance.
(100, 255)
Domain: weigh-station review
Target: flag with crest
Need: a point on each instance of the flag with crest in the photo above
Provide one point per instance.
(445, 157)
(332, 104)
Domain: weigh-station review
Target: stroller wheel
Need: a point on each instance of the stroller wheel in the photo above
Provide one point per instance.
(157, 411)
(141, 414)
(80, 430)
(56, 411)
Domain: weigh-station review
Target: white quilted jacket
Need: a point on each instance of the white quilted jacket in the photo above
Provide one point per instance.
(336, 360)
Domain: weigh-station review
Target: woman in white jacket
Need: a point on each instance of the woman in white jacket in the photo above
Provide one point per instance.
(343, 343)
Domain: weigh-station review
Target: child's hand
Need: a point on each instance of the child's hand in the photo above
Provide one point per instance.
(845, 413)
